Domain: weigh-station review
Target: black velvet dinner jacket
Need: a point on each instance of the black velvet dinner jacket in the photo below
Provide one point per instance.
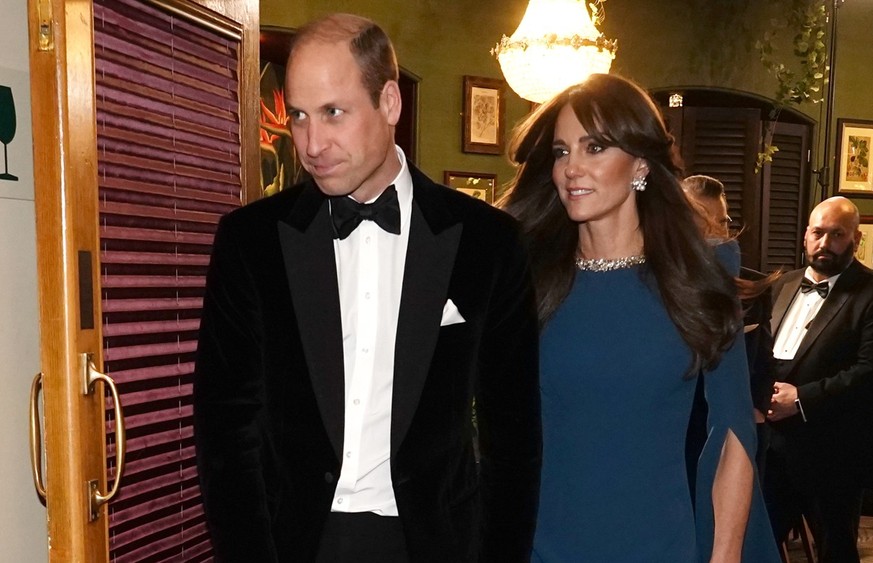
(269, 382)
(833, 372)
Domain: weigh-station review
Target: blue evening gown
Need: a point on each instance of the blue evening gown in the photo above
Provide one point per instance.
(615, 414)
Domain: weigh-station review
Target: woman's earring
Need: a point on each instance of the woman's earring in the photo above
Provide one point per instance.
(638, 184)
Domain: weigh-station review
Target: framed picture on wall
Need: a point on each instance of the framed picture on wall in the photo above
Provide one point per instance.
(484, 106)
(854, 141)
(475, 184)
(864, 254)
(280, 167)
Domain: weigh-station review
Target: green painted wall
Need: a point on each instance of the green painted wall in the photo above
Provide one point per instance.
(853, 76)
(661, 43)
(439, 41)
(688, 43)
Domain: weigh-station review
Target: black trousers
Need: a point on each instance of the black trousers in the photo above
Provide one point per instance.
(362, 537)
(830, 503)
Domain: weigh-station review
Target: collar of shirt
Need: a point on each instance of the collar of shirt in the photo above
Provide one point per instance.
(403, 185)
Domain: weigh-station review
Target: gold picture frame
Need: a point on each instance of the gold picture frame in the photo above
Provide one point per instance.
(484, 108)
(853, 176)
(479, 185)
(864, 252)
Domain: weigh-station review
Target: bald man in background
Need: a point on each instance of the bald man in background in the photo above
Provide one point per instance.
(821, 455)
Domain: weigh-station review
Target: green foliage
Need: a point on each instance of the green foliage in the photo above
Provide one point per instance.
(765, 156)
(804, 82)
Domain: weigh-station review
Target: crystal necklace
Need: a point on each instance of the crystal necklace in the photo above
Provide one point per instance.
(609, 264)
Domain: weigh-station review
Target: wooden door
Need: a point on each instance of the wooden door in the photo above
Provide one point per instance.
(769, 205)
(722, 143)
(79, 140)
(786, 191)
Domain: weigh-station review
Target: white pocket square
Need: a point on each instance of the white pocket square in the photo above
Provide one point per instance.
(451, 315)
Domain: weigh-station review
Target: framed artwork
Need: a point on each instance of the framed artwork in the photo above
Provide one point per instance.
(280, 167)
(475, 184)
(864, 253)
(854, 140)
(484, 106)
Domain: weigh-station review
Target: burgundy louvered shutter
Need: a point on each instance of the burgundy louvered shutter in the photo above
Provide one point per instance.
(168, 133)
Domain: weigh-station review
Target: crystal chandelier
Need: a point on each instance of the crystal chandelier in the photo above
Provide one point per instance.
(556, 45)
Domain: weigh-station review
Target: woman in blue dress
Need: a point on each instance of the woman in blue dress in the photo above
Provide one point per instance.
(635, 306)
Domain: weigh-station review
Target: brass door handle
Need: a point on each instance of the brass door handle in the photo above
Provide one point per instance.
(36, 437)
(90, 376)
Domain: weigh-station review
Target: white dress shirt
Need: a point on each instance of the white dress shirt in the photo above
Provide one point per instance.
(370, 264)
(798, 317)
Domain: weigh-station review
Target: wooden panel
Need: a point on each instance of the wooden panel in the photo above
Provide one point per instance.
(786, 198)
(722, 143)
(65, 194)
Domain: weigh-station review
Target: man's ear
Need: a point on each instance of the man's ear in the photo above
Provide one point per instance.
(390, 102)
(858, 236)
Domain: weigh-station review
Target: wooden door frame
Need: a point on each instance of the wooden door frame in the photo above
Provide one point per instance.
(66, 196)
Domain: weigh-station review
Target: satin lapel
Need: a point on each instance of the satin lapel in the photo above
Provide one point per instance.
(825, 315)
(429, 260)
(784, 299)
(310, 265)
(838, 297)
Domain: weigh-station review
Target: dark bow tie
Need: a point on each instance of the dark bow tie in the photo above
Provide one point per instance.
(807, 286)
(346, 214)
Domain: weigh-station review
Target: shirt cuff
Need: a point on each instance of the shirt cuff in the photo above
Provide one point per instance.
(799, 406)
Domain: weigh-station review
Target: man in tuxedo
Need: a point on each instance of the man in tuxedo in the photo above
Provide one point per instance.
(349, 322)
(820, 451)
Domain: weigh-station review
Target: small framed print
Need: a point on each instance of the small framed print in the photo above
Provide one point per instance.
(854, 141)
(864, 252)
(484, 107)
(475, 184)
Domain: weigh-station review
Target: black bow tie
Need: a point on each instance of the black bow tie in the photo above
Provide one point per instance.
(346, 214)
(807, 286)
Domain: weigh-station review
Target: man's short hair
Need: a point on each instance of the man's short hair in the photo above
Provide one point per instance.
(368, 43)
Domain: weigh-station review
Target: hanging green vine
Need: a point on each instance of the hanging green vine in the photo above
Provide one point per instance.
(809, 17)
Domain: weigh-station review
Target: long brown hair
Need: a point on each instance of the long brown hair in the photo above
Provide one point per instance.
(697, 293)
(699, 188)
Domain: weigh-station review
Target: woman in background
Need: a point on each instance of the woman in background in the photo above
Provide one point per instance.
(707, 197)
(634, 305)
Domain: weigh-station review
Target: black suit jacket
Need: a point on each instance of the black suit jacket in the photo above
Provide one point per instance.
(269, 382)
(757, 313)
(833, 372)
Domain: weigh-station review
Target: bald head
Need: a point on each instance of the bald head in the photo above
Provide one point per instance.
(832, 236)
(838, 208)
